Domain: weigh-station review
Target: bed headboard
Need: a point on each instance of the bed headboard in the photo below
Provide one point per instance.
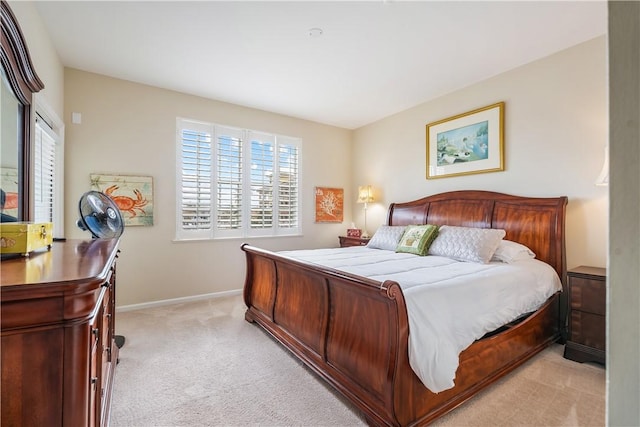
(537, 223)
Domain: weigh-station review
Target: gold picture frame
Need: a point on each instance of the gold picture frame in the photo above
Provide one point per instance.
(468, 143)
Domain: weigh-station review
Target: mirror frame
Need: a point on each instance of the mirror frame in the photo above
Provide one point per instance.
(24, 81)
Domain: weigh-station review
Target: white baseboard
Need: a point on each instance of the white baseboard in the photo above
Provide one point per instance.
(180, 300)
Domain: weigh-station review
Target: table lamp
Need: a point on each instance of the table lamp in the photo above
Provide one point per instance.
(365, 195)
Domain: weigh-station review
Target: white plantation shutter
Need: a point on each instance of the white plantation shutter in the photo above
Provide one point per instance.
(288, 183)
(195, 173)
(44, 171)
(236, 183)
(230, 181)
(261, 181)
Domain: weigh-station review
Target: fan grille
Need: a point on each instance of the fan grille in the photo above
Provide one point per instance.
(100, 215)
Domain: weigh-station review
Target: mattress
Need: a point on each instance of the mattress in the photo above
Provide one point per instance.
(450, 304)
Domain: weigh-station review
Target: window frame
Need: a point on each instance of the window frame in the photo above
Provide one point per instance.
(246, 229)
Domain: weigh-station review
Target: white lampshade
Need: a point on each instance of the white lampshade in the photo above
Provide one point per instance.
(603, 178)
(365, 194)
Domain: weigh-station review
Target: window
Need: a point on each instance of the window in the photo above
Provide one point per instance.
(48, 167)
(235, 183)
(44, 171)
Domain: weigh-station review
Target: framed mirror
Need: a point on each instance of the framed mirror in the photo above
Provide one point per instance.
(19, 83)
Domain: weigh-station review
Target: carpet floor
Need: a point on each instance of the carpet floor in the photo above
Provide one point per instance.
(202, 364)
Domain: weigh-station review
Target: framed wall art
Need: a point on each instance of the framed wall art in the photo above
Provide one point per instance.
(466, 144)
(133, 195)
(329, 204)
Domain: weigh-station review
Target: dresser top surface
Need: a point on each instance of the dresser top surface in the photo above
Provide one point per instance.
(67, 262)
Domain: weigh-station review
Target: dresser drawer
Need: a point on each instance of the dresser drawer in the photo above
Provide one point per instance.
(588, 295)
(588, 329)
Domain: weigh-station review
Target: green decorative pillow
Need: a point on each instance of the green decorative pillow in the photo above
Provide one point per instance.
(417, 239)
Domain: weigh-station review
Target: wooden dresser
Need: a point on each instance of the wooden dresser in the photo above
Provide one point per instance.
(58, 350)
(587, 314)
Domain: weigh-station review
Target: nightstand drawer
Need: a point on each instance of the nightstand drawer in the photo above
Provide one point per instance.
(588, 329)
(588, 295)
(346, 241)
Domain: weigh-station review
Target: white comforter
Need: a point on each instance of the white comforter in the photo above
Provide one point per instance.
(450, 304)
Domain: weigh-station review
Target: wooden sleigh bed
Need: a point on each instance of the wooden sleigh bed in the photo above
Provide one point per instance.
(353, 331)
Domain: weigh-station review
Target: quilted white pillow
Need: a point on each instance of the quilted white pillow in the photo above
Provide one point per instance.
(467, 243)
(386, 237)
(509, 252)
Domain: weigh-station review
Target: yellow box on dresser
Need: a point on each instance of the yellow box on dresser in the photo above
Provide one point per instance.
(25, 237)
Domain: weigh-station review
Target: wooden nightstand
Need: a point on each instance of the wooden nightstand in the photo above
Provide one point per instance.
(353, 241)
(586, 316)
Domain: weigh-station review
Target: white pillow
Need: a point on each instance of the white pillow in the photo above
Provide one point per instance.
(509, 252)
(386, 237)
(467, 243)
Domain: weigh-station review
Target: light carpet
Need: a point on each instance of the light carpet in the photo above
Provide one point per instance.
(202, 364)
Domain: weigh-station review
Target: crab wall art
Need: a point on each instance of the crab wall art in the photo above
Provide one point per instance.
(132, 194)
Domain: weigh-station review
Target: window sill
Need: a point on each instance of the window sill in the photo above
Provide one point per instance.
(214, 239)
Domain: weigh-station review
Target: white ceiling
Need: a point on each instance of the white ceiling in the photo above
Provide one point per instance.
(374, 58)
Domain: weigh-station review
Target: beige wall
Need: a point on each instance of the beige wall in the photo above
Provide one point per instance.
(130, 129)
(555, 135)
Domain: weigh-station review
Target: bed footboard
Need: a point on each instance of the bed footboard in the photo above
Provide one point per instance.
(349, 330)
